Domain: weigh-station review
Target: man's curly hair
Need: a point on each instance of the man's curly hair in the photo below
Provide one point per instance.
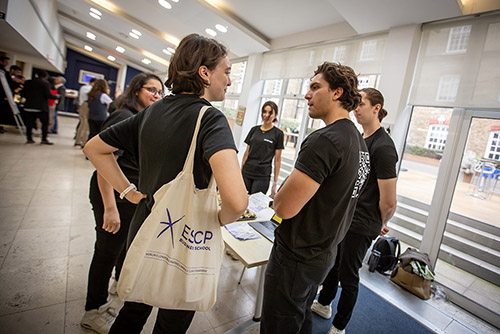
(342, 76)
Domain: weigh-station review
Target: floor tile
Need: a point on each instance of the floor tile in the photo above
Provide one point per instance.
(82, 239)
(11, 216)
(47, 216)
(44, 320)
(78, 271)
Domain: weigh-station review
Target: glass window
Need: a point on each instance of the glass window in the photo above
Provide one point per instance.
(339, 53)
(458, 39)
(230, 109)
(493, 147)
(436, 136)
(294, 87)
(272, 87)
(448, 88)
(368, 50)
(237, 75)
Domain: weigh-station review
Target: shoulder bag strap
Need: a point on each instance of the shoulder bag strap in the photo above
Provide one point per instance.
(189, 163)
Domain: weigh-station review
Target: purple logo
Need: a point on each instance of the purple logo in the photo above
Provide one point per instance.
(170, 225)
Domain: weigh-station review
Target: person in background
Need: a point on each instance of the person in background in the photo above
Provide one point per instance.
(52, 102)
(82, 131)
(160, 136)
(5, 111)
(112, 214)
(316, 203)
(98, 101)
(375, 207)
(61, 91)
(37, 95)
(264, 142)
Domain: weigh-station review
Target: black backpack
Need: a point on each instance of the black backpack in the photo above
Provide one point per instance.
(384, 255)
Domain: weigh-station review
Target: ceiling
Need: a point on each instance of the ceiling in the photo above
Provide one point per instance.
(252, 26)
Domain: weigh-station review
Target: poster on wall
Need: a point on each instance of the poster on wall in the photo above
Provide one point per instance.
(85, 76)
(240, 115)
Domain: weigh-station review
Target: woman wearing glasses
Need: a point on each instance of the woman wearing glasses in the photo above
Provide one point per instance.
(112, 214)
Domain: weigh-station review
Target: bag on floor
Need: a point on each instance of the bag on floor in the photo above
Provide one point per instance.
(175, 258)
(414, 273)
(384, 255)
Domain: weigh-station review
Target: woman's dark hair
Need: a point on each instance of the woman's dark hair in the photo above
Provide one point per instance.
(273, 106)
(194, 51)
(100, 85)
(375, 97)
(129, 98)
(342, 76)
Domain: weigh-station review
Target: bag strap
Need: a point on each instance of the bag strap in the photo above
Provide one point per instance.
(189, 163)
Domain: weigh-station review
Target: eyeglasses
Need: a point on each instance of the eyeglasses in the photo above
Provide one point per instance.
(153, 91)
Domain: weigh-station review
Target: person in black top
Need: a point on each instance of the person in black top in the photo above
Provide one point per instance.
(316, 203)
(159, 137)
(37, 95)
(112, 214)
(265, 142)
(98, 101)
(376, 205)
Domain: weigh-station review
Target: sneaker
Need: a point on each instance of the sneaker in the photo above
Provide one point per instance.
(30, 141)
(322, 310)
(99, 320)
(335, 330)
(113, 289)
(46, 142)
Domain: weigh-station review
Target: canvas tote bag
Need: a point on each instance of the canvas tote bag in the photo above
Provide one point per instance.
(175, 258)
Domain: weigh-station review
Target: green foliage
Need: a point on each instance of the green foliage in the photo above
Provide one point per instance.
(289, 124)
(230, 112)
(424, 152)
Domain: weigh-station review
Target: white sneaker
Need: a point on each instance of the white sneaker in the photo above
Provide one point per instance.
(113, 289)
(322, 310)
(99, 320)
(335, 330)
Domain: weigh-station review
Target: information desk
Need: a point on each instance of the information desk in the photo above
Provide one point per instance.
(251, 253)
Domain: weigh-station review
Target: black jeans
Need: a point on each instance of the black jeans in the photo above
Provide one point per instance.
(350, 254)
(289, 290)
(255, 185)
(133, 316)
(109, 249)
(94, 127)
(30, 118)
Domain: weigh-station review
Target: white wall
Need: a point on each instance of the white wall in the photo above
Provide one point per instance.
(36, 21)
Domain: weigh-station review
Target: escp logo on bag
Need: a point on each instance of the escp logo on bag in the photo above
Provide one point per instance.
(190, 238)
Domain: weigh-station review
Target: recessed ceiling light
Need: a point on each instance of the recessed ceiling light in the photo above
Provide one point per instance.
(120, 49)
(165, 4)
(175, 0)
(95, 16)
(131, 34)
(211, 32)
(88, 48)
(110, 57)
(167, 52)
(137, 32)
(172, 50)
(93, 10)
(221, 28)
(90, 35)
(146, 61)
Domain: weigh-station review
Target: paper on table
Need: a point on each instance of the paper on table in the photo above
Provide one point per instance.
(258, 202)
(242, 231)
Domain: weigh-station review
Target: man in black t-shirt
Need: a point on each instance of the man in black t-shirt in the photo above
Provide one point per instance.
(376, 205)
(316, 202)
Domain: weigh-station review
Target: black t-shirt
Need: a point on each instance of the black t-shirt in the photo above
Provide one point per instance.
(126, 161)
(263, 146)
(160, 137)
(383, 159)
(337, 158)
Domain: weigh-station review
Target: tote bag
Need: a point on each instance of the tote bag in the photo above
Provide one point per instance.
(175, 258)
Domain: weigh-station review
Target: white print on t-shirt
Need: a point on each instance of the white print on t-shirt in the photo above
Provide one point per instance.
(363, 171)
(268, 140)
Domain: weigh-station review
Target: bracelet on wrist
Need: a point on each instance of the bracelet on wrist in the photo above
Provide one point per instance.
(127, 190)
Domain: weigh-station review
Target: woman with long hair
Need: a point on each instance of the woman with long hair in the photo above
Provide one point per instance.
(112, 214)
(264, 142)
(160, 136)
(98, 102)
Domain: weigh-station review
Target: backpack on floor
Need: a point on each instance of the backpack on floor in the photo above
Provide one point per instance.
(384, 255)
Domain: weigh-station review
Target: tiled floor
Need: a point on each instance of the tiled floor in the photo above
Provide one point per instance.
(46, 243)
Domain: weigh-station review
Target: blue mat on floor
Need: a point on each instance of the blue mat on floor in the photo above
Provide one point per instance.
(372, 314)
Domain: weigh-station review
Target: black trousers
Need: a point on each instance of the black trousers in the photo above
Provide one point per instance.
(133, 316)
(350, 254)
(109, 249)
(289, 290)
(255, 185)
(30, 119)
(94, 127)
